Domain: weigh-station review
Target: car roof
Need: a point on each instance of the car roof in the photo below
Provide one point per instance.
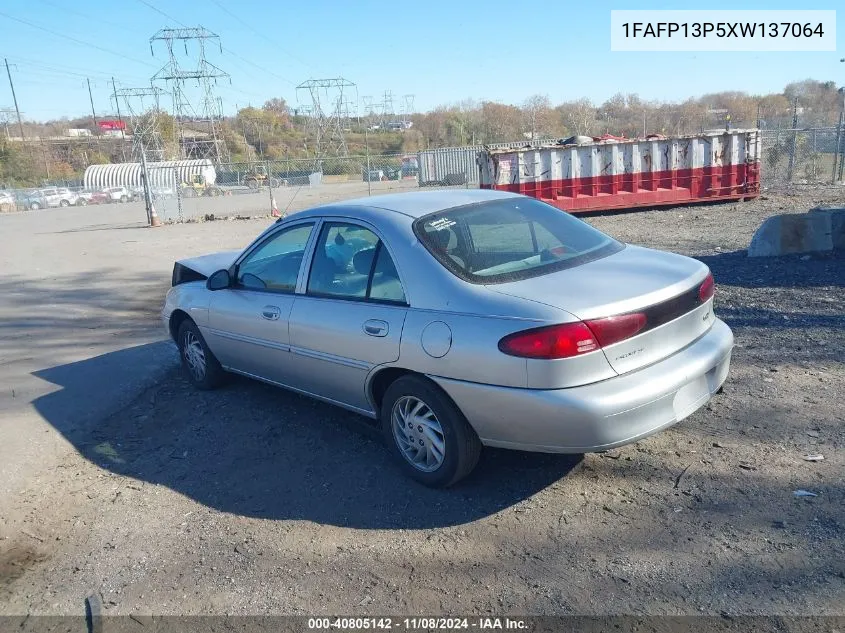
(414, 204)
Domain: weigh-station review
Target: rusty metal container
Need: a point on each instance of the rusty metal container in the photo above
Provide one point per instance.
(601, 175)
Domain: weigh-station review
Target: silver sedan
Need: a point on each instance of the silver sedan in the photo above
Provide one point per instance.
(458, 319)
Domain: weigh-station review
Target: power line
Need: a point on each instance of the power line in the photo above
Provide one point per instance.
(59, 76)
(261, 35)
(262, 69)
(73, 39)
(99, 20)
(61, 68)
(160, 12)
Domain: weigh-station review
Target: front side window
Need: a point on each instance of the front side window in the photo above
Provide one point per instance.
(510, 239)
(274, 265)
(351, 262)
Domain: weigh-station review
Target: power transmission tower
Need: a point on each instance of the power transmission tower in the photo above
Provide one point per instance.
(387, 111)
(327, 118)
(144, 108)
(407, 108)
(369, 111)
(349, 112)
(197, 121)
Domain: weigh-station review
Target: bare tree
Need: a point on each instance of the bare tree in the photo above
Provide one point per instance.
(578, 116)
(539, 116)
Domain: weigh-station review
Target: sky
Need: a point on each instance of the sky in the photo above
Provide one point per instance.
(442, 52)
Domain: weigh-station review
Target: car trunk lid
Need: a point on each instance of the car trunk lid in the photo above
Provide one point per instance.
(663, 287)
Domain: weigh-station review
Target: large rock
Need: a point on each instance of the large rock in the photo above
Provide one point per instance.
(837, 225)
(792, 233)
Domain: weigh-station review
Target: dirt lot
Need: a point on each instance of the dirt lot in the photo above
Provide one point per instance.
(253, 500)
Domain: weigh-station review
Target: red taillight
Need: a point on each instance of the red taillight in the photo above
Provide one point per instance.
(707, 288)
(572, 339)
(556, 341)
(617, 328)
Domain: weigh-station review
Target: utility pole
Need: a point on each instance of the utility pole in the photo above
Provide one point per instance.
(367, 147)
(119, 118)
(14, 98)
(791, 166)
(839, 150)
(93, 112)
(152, 216)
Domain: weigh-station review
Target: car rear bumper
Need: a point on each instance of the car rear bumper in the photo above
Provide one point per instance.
(602, 415)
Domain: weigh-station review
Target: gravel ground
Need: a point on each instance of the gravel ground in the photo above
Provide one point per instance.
(250, 500)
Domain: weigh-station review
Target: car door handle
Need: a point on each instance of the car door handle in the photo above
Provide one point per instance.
(271, 313)
(374, 327)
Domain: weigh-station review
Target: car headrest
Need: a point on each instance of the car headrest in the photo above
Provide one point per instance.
(441, 238)
(363, 260)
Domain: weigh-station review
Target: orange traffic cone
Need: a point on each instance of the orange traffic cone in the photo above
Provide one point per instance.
(274, 210)
(154, 221)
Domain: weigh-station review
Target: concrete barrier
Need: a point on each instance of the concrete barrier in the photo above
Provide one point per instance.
(837, 225)
(792, 233)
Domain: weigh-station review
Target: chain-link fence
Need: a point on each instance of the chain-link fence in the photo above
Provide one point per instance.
(808, 157)
(284, 186)
(789, 158)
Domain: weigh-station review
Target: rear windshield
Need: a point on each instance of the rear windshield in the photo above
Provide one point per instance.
(510, 239)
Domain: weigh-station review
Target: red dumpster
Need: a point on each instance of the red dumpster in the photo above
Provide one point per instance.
(617, 173)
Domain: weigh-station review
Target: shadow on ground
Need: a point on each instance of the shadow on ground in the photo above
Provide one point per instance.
(259, 451)
(104, 227)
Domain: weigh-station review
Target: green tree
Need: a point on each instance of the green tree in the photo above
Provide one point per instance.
(17, 165)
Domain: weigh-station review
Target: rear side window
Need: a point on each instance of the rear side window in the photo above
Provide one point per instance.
(350, 262)
(510, 239)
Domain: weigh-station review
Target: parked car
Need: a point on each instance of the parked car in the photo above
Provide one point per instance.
(7, 202)
(90, 197)
(50, 197)
(34, 200)
(60, 197)
(457, 319)
(373, 175)
(118, 194)
(93, 197)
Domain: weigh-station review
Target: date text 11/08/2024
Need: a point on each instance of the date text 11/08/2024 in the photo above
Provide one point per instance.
(418, 623)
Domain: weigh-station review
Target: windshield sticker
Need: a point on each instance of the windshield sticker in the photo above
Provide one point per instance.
(442, 223)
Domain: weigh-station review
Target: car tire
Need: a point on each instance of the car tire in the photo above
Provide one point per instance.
(34, 206)
(462, 447)
(64, 203)
(124, 198)
(82, 202)
(199, 363)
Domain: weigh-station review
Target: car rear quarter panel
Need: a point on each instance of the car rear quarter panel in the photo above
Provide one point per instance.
(478, 318)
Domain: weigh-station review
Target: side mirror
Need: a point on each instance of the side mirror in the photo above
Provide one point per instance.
(219, 280)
